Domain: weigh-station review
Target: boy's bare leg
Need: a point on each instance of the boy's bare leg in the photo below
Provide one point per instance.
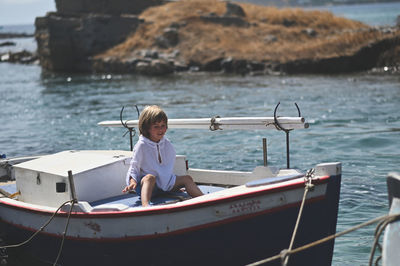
(148, 182)
(187, 181)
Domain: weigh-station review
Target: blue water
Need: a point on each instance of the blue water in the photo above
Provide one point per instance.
(375, 14)
(354, 119)
(27, 29)
(28, 44)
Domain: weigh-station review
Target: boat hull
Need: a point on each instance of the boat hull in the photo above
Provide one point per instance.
(230, 231)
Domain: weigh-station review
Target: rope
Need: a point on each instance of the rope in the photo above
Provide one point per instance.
(308, 186)
(64, 233)
(14, 194)
(378, 231)
(38, 231)
(328, 238)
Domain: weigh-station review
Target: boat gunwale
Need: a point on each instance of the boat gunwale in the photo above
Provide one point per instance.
(175, 232)
(171, 208)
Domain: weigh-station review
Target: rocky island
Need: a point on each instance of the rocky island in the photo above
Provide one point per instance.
(157, 37)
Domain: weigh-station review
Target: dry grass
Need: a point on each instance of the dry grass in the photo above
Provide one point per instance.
(201, 41)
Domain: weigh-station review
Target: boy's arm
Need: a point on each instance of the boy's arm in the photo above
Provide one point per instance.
(134, 168)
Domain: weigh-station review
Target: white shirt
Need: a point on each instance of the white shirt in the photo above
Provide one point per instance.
(153, 158)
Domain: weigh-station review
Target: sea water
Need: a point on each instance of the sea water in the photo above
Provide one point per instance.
(354, 119)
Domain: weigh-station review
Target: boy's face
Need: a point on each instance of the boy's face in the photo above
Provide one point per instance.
(157, 131)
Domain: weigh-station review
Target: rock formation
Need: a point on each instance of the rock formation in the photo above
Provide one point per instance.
(66, 43)
(80, 29)
(156, 38)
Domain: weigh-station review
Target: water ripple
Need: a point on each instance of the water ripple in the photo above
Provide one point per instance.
(44, 113)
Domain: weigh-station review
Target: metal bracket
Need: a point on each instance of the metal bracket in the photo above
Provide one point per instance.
(214, 126)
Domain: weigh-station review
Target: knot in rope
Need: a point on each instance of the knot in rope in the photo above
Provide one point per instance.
(308, 177)
(284, 255)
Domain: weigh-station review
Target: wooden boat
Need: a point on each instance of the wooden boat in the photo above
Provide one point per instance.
(243, 216)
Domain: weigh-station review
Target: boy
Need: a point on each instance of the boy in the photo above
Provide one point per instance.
(153, 159)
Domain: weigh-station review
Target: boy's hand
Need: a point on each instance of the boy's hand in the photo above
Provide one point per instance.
(132, 185)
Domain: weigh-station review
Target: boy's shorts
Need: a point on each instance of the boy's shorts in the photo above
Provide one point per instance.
(156, 190)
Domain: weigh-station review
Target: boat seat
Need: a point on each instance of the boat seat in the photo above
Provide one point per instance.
(230, 178)
(110, 207)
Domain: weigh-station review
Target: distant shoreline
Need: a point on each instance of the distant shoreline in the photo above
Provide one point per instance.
(31, 27)
(21, 30)
(323, 4)
(9, 35)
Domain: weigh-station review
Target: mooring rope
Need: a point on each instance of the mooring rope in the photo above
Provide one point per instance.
(328, 238)
(38, 231)
(285, 254)
(308, 186)
(44, 226)
(378, 231)
(64, 233)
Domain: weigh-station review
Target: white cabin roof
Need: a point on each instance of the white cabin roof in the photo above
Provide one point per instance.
(76, 161)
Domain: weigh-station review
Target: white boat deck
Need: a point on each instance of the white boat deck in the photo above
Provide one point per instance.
(99, 177)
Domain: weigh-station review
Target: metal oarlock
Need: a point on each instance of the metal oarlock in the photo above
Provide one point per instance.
(131, 130)
(280, 127)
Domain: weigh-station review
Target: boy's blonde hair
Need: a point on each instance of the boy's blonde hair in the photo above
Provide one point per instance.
(150, 115)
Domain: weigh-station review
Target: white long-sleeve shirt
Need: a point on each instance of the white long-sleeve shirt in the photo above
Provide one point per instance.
(153, 158)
